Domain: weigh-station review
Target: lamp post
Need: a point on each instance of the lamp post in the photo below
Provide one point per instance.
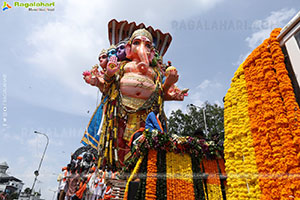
(204, 118)
(36, 172)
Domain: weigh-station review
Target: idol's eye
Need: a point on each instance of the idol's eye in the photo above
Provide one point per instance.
(136, 42)
(148, 46)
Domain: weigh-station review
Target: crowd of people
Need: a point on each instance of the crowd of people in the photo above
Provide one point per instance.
(78, 181)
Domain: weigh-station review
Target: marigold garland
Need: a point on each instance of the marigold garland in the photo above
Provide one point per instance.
(179, 176)
(214, 191)
(239, 152)
(274, 127)
(151, 175)
(280, 159)
(211, 169)
(291, 128)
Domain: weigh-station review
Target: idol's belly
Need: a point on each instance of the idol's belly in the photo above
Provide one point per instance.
(136, 86)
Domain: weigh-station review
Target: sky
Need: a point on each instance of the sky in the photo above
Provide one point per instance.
(43, 55)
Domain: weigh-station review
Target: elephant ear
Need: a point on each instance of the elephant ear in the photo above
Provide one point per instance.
(128, 51)
(154, 62)
(151, 56)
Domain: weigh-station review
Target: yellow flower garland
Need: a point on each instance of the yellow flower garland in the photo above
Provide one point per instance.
(134, 172)
(179, 176)
(239, 152)
(214, 191)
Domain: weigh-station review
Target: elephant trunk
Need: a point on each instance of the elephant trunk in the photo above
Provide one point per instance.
(144, 60)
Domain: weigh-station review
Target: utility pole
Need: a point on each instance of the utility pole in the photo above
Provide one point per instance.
(36, 172)
(204, 118)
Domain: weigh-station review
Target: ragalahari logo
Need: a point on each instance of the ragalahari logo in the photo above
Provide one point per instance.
(5, 6)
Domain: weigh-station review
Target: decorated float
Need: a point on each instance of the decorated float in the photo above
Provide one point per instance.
(261, 122)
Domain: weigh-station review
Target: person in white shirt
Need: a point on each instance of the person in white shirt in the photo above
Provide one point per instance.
(98, 187)
(90, 185)
(63, 182)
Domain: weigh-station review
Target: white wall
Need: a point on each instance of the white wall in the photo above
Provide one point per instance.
(294, 55)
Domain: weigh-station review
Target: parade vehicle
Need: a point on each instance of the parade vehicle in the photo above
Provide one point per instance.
(260, 158)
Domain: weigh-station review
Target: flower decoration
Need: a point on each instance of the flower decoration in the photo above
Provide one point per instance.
(261, 119)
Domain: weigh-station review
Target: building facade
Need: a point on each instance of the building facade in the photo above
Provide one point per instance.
(9, 184)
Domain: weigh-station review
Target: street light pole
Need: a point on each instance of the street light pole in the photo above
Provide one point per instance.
(204, 118)
(36, 173)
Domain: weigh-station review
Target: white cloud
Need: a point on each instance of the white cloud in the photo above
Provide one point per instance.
(264, 27)
(207, 83)
(198, 98)
(206, 91)
(277, 19)
(173, 106)
(204, 84)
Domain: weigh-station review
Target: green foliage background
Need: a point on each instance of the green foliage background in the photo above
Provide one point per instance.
(186, 124)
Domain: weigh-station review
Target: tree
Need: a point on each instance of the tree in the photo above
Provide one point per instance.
(186, 124)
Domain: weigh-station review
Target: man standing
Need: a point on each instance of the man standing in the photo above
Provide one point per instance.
(72, 183)
(63, 183)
